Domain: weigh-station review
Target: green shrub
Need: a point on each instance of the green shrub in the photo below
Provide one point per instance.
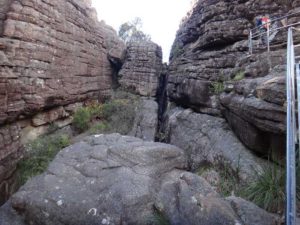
(229, 183)
(119, 115)
(268, 191)
(52, 128)
(239, 76)
(101, 127)
(39, 153)
(217, 87)
(116, 115)
(82, 118)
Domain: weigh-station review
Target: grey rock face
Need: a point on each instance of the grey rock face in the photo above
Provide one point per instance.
(145, 123)
(258, 105)
(142, 68)
(207, 139)
(250, 213)
(211, 50)
(114, 179)
(187, 199)
(9, 216)
(109, 178)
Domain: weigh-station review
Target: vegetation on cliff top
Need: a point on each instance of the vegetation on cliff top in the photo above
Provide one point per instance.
(131, 31)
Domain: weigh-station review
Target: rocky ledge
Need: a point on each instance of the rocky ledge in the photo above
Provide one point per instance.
(114, 179)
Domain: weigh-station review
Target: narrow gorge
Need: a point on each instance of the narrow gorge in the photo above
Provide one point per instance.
(203, 128)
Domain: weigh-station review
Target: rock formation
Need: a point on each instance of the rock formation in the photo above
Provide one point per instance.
(208, 140)
(114, 179)
(210, 56)
(55, 55)
(146, 119)
(52, 54)
(142, 68)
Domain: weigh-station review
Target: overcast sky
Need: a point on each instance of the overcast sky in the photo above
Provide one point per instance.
(160, 18)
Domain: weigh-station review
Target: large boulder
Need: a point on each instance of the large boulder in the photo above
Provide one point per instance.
(114, 179)
(209, 140)
(258, 104)
(105, 179)
(187, 199)
(251, 213)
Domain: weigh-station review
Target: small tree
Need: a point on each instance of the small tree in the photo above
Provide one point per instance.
(131, 31)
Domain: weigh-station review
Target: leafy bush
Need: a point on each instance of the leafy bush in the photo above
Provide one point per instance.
(119, 115)
(131, 31)
(52, 128)
(239, 76)
(39, 153)
(217, 87)
(268, 191)
(82, 119)
(101, 127)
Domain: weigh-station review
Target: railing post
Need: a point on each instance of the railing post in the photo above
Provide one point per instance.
(268, 36)
(250, 42)
(291, 134)
(298, 99)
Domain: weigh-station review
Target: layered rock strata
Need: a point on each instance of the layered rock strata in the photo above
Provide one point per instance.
(52, 54)
(210, 58)
(142, 68)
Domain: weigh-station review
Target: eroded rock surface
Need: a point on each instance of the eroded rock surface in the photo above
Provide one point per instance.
(146, 119)
(209, 140)
(114, 179)
(142, 68)
(250, 213)
(53, 53)
(105, 178)
(210, 56)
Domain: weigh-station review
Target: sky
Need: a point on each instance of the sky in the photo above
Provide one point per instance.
(161, 18)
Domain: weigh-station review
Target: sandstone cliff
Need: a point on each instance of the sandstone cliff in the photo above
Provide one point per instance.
(212, 72)
(53, 53)
(142, 68)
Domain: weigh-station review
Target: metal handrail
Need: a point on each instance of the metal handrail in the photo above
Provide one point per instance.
(276, 29)
(276, 20)
(291, 132)
(256, 32)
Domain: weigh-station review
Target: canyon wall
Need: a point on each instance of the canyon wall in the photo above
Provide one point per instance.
(212, 72)
(53, 54)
